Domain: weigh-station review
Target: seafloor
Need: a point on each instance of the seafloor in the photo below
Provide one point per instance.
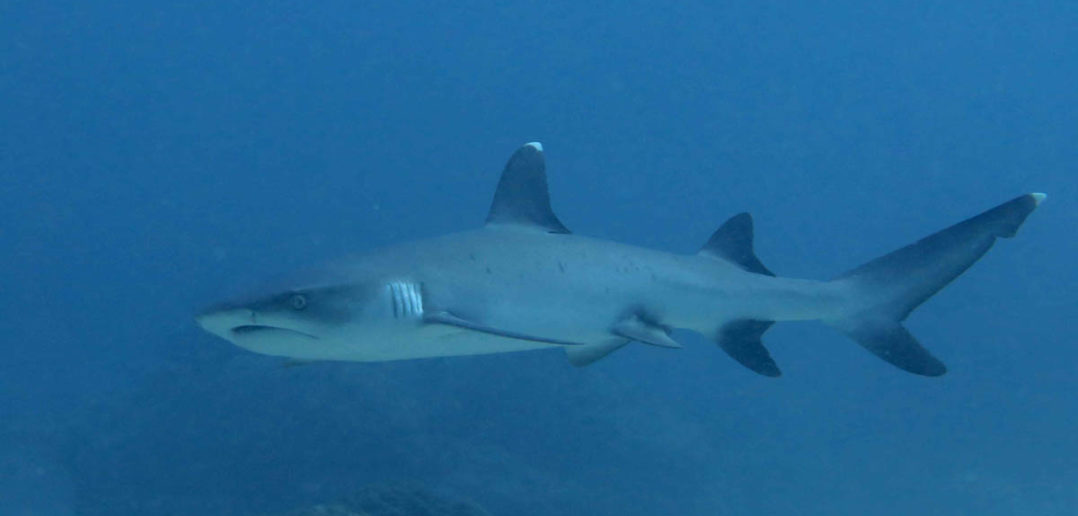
(392, 500)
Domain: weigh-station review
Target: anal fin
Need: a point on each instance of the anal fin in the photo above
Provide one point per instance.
(741, 340)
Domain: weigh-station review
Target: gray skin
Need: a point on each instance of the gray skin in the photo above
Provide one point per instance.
(554, 287)
(524, 282)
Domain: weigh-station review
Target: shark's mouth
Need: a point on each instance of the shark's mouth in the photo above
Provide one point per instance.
(251, 330)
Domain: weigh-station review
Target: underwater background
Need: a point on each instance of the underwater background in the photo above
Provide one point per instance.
(156, 156)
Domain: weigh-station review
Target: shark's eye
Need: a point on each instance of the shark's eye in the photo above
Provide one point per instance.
(298, 301)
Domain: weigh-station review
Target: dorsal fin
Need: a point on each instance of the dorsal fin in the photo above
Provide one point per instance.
(522, 198)
(733, 242)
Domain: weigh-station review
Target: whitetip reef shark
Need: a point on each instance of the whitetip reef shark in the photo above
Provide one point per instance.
(523, 281)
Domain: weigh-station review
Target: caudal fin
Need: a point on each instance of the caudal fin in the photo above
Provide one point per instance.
(888, 288)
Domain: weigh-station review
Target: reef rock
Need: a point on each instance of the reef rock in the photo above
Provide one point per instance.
(393, 500)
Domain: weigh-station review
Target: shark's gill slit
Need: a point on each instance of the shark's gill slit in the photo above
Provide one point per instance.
(395, 298)
(417, 300)
(406, 298)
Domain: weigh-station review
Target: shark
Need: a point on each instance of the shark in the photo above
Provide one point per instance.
(524, 281)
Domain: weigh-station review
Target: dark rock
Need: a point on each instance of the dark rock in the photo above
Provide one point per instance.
(393, 500)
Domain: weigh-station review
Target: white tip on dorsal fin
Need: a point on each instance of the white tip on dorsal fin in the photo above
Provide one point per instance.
(522, 198)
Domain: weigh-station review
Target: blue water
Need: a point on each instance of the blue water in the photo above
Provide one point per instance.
(156, 156)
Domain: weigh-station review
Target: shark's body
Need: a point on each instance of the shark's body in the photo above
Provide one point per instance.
(524, 282)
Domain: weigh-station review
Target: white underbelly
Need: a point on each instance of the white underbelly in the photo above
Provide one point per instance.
(432, 341)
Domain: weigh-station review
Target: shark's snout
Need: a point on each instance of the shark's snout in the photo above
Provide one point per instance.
(222, 321)
(248, 329)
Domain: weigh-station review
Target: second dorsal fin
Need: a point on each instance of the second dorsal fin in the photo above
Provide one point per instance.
(733, 242)
(522, 198)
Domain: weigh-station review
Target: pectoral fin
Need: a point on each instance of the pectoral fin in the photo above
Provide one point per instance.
(450, 319)
(588, 354)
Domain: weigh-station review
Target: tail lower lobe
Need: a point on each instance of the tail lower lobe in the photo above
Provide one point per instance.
(887, 289)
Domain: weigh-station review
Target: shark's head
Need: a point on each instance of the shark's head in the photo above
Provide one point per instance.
(400, 302)
(316, 322)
